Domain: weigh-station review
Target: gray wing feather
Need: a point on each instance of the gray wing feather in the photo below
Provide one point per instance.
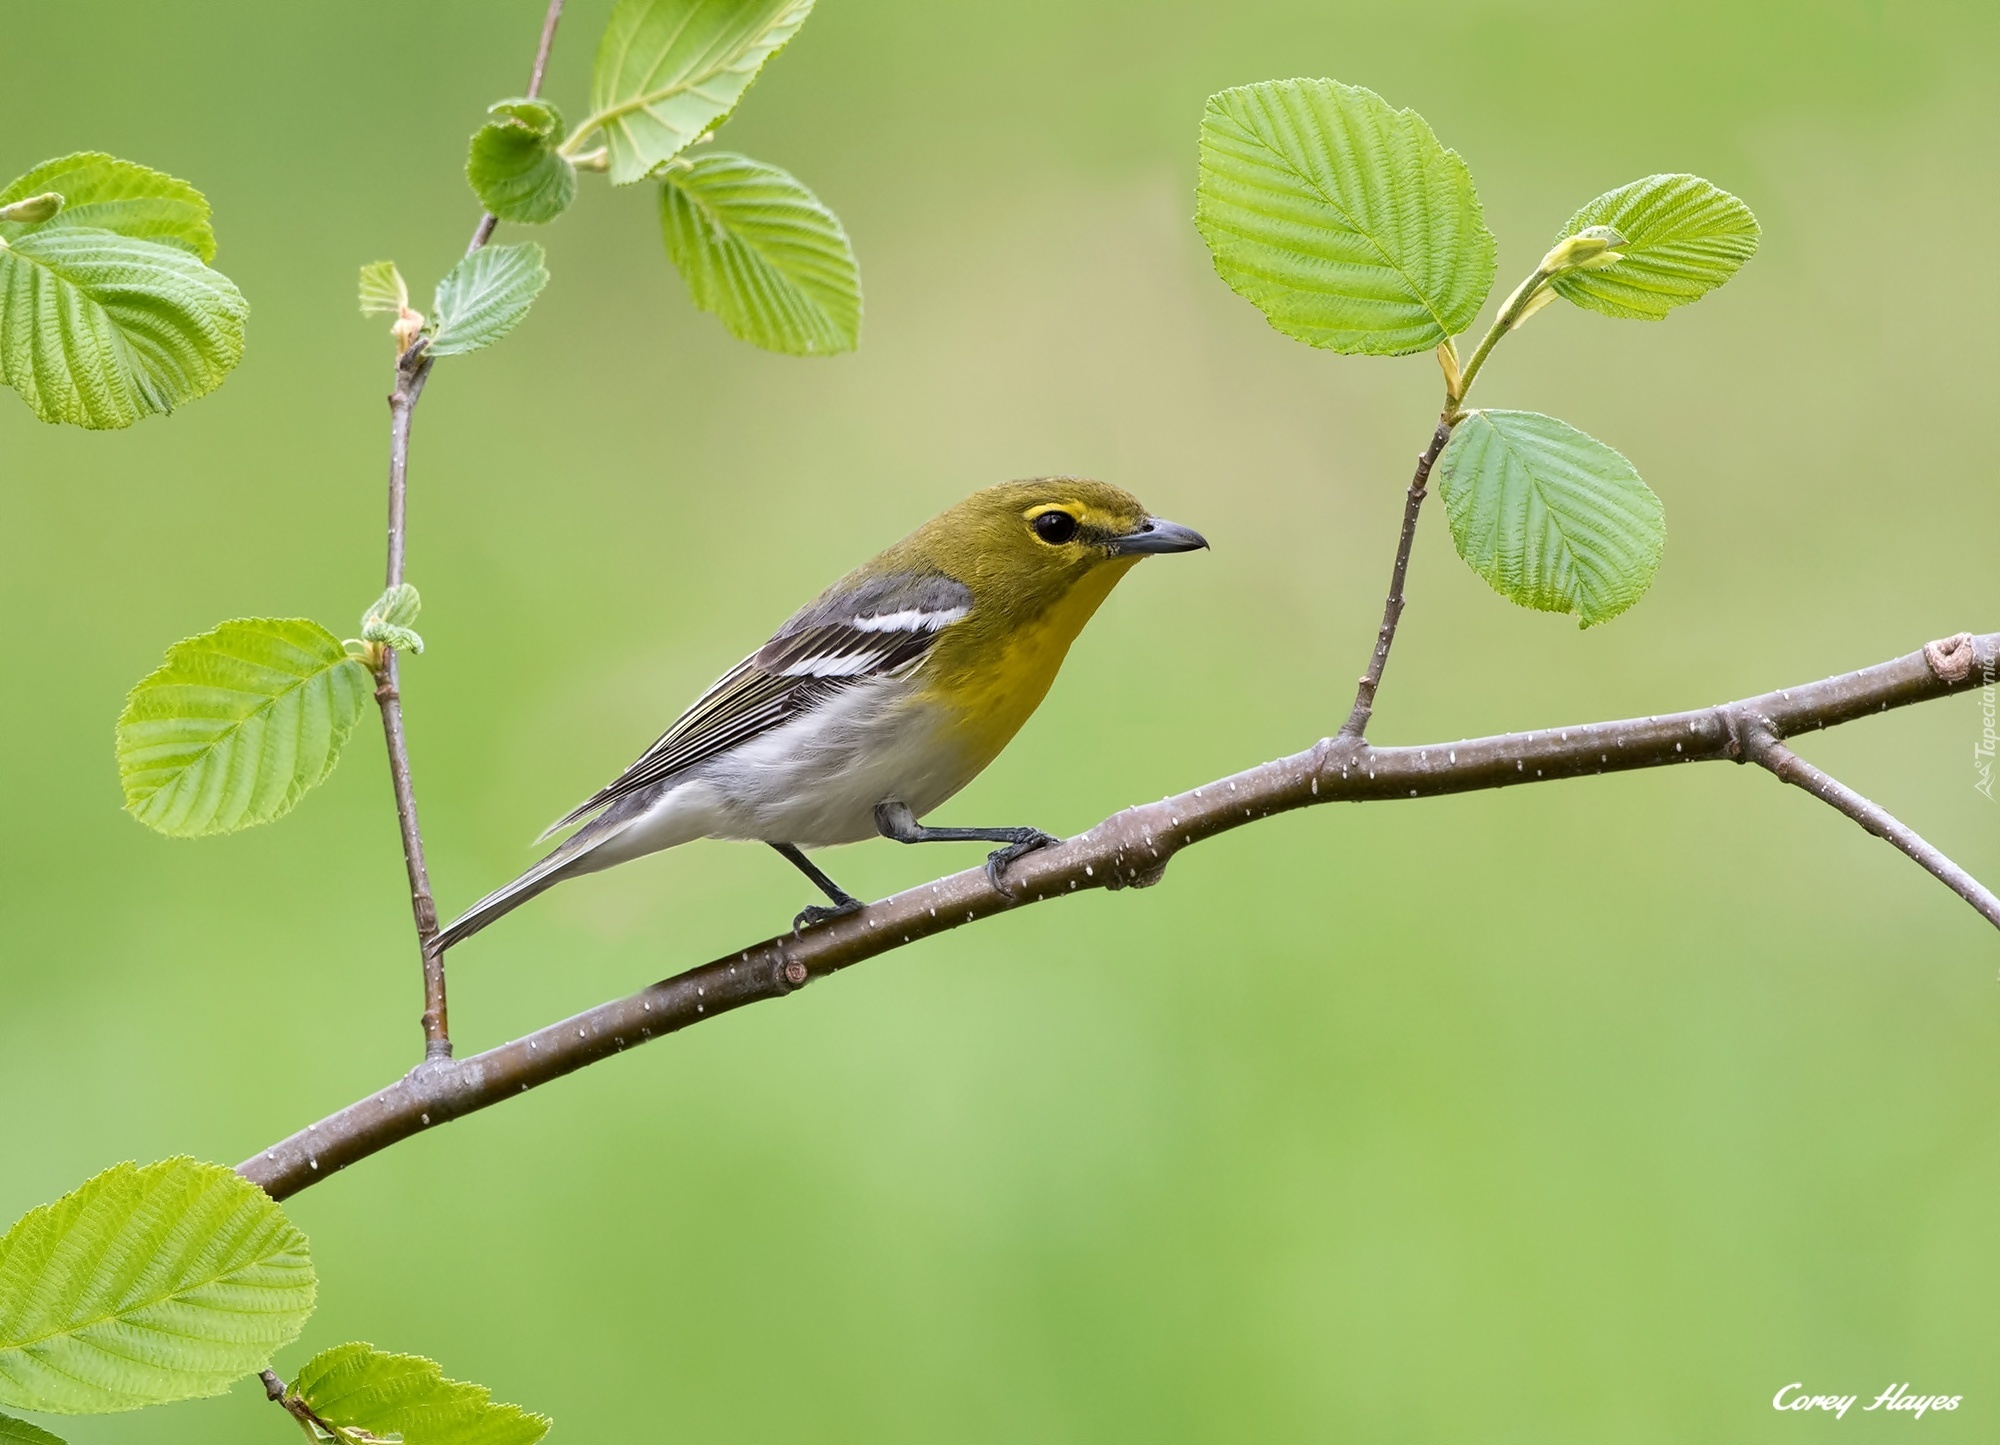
(879, 627)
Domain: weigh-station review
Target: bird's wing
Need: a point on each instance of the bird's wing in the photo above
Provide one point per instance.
(875, 627)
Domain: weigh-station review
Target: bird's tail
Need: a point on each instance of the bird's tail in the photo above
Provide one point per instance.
(559, 864)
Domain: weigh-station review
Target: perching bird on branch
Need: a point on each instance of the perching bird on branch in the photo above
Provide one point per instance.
(877, 702)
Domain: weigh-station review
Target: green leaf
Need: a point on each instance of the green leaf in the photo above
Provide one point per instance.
(20, 1432)
(390, 618)
(390, 635)
(102, 193)
(237, 725)
(668, 71)
(485, 296)
(100, 329)
(383, 290)
(760, 252)
(514, 167)
(1344, 221)
(360, 1387)
(146, 1285)
(1551, 517)
(1682, 238)
(400, 606)
(106, 312)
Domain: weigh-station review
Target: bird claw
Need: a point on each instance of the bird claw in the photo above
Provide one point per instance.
(1030, 840)
(825, 912)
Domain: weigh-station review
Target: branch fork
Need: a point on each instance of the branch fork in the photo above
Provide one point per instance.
(1761, 744)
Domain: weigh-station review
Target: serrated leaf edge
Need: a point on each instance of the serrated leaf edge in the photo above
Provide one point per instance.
(299, 787)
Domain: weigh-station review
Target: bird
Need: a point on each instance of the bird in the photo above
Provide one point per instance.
(875, 703)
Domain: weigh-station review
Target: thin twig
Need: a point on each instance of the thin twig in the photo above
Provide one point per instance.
(1763, 748)
(549, 23)
(1458, 382)
(1356, 726)
(413, 369)
(299, 1410)
(483, 232)
(1128, 850)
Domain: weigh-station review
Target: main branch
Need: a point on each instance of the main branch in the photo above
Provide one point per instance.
(1130, 849)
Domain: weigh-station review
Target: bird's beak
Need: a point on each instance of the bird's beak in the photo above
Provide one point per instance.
(1155, 534)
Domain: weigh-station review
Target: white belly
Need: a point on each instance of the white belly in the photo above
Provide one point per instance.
(814, 781)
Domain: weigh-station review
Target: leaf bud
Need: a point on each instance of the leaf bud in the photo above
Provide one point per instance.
(1591, 249)
(1454, 378)
(409, 325)
(539, 118)
(389, 619)
(34, 209)
(1535, 303)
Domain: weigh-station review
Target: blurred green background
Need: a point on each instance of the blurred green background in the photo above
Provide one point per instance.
(1591, 1112)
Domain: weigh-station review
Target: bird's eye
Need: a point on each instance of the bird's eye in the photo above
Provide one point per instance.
(1055, 528)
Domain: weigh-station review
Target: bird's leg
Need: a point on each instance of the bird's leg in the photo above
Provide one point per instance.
(844, 902)
(895, 820)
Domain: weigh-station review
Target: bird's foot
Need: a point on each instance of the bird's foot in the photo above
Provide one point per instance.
(1026, 841)
(824, 912)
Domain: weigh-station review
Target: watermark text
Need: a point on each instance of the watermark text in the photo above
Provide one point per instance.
(1795, 1396)
(1982, 751)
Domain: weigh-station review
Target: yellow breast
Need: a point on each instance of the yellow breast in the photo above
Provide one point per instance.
(993, 671)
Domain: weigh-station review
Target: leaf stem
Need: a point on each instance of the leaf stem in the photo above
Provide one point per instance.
(1512, 313)
(597, 121)
(573, 142)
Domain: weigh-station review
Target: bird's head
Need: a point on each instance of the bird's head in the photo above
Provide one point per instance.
(1029, 544)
